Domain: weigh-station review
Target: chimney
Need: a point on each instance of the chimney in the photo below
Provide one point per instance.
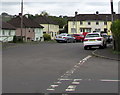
(76, 13)
(97, 13)
(20, 14)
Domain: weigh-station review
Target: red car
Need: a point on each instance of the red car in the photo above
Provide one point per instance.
(78, 37)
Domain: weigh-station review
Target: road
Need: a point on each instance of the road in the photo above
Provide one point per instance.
(57, 68)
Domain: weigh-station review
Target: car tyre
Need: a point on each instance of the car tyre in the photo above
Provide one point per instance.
(85, 47)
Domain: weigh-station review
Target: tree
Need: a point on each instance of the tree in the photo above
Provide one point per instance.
(115, 28)
(44, 13)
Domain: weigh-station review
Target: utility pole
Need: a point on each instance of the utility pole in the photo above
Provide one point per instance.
(112, 11)
(76, 20)
(22, 19)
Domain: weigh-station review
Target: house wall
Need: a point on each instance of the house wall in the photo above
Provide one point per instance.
(38, 34)
(53, 29)
(77, 26)
(29, 33)
(6, 35)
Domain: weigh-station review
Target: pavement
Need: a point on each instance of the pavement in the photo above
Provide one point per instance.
(106, 53)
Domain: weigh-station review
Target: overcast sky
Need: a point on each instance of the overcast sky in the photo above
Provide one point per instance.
(58, 7)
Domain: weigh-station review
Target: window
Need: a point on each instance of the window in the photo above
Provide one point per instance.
(97, 23)
(73, 22)
(85, 29)
(92, 35)
(89, 23)
(81, 22)
(9, 33)
(105, 23)
(33, 30)
(73, 30)
(52, 34)
(3, 32)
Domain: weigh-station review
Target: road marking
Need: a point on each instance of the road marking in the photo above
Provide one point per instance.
(50, 89)
(74, 82)
(64, 79)
(108, 80)
(71, 88)
(68, 73)
(53, 86)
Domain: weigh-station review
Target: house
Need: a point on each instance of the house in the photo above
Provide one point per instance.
(90, 23)
(7, 32)
(31, 31)
(50, 26)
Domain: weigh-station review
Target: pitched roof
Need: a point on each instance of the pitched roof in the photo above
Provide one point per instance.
(45, 20)
(5, 25)
(27, 23)
(99, 17)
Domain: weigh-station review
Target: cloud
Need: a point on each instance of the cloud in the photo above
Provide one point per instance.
(58, 7)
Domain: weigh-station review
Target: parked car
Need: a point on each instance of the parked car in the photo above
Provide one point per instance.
(110, 39)
(78, 37)
(65, 38)
(94, 39)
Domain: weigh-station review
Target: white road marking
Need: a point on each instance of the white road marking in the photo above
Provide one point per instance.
(77, 79)
(65, 76)
(108, 80)
(74, 82)
(71, 88)
(58, 82)
(53, 86)
(64, 79)
(50, 89)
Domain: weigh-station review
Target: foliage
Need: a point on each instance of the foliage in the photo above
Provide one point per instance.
(47, 37)
(44, 13)
(61, 21)
(17, 39)
(115, 28)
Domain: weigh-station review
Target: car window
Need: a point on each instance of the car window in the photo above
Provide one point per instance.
(92, 35)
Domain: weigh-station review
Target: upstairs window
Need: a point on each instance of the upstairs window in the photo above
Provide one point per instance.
(81, 22)
(97, 23)
(89, 23)
(3, 32)
(105, 23)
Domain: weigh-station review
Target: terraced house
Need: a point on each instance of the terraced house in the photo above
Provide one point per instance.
(50, 26)
(7, 31)
(90, 23)
(31, 31)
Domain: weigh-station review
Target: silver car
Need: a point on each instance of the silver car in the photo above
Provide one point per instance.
(65, 38)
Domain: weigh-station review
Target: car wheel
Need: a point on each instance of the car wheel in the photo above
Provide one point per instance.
(85, 47)
(68, 41)
(105, 45)
(101, 47)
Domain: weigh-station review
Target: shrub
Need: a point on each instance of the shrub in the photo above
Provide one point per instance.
(14, 39)
(17, 39)
(47, 37)
(115, 28)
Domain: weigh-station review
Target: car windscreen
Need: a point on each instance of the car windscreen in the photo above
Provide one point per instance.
(92, 35)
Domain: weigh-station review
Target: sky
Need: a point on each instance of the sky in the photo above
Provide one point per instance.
(58, 7)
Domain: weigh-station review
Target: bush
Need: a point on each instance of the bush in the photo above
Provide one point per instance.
(17, 39)
(47, 37)
(14, 39)
(115, 28)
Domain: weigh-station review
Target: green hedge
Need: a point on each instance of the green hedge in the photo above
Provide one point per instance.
(115, 28)
(47, 37)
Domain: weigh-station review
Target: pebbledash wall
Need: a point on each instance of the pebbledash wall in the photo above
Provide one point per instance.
(92, 26)
(51, 29)
(35, 34)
